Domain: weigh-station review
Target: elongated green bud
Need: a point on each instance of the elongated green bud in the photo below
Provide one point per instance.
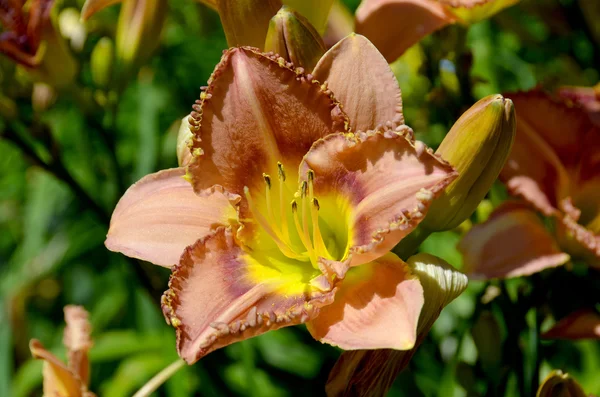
(102, 61)
(559, 384)
(138, 33)
(291, 36)
(477, 146)
(245, 22)
(316, 11)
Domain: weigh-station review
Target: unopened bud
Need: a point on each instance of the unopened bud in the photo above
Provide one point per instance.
(316, 11)
(102, 61)
(246, 22)
(477, 146)
(138, 33)
(559, 384)
(72, 28)
(291, 36)
(184, 156)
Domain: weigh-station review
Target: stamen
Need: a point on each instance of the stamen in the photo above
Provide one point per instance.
(267, 179)
(282, 214)
(320, 247)
(303, 233)
(285, 249)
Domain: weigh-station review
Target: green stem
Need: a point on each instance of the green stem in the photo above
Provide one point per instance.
(160, 378)
(410, 244)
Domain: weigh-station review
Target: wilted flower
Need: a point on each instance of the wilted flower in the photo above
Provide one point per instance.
(291, 207)
(31, 39)
(70, 380)
(395, 25)
(554, 167)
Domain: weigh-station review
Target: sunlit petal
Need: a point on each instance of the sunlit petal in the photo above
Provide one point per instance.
(161, 215)
(377, 306)
(256, 111)
(512, 242)
(395, 25)
(582, 324)
(90, 7)
(363, 83)
(577, 240)
(389, 180)
(220, 294)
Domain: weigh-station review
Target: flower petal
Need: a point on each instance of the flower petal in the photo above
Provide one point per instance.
(245, 22)
(160, 215)
(77, 340)
(376, 307)
(395, 25)
(256, 111)
(473, 11)
(363, 82)
(544, 158)
(582, 324)
(578, 241)
(90, 7)
(58, 379)
(220, 294)
(511, 243)
(587, 97)
(372, 372)
(388, 179)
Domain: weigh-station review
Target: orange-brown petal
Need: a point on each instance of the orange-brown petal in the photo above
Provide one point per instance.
(511, 243)
(256, 111)
(395, 25)
(578, 241)
(543, 165)
(388, 179)
(59, 380)
(377, 306)
(78, 341)
(363, 82)
(220, 294)
(160, 215)
(582, 324)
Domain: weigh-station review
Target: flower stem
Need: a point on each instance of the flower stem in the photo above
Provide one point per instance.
(160, 378)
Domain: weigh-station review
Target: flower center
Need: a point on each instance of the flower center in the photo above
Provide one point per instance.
(292, 225)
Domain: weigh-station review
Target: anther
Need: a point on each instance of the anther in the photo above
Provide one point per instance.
(281, 171)
(267, 179)
(316, 204)
(303, 189)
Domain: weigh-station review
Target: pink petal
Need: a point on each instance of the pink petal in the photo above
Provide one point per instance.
(160, 215)
(582, 324)
(547, 150)
(395, 25)
(511, 243)
(376, 307)
(578, 241)
(257, 111)
(220, 294)
(389, 180)
(363, 82)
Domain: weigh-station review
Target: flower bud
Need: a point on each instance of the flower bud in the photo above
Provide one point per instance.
(138, 33)
(316, 11)
(558, 384)
(184, 155)
(102, 61)
(291, 36)
(477, 146)
(246, 22)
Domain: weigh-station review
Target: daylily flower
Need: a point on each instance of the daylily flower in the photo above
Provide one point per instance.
(289, 206)
(31, 39)
(555, 168)
(395, 25)
(587, 97)
(70, 380)
(581, 324)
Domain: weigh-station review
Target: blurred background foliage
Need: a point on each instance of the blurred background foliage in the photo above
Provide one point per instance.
(51, 234)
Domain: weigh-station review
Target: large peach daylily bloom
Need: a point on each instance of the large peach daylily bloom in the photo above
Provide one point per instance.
(554, 166)
(395, 25)
(70, 380)
(292, 205)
